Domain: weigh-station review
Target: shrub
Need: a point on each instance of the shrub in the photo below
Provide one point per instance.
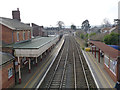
(82, 36)
(86, 44)
(83, 48)
(111, 39)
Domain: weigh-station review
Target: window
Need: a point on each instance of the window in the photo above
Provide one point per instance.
(10, 73)
(106, 60)
(23, 35)
(28, 34)
(113, 66)
(17, 36)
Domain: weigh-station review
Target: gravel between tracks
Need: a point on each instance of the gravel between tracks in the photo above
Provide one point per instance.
(71, 68)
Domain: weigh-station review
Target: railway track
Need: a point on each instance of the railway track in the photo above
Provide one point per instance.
(57, 79)
(69, 69)
(81, 80)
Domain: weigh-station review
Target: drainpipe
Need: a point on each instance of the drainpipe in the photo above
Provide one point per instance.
(12, 36)
(14, 66)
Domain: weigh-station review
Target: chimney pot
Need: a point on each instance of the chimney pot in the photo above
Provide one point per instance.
(16, 14)
(17, 9)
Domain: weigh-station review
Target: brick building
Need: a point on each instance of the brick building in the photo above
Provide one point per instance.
(38, 30)
(7, 70)
(52, 30)
(13, 32)
(17, 42)
(111, 58)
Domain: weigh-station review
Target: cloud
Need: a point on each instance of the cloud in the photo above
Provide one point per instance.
(48, 12)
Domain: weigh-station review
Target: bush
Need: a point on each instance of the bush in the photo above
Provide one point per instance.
(86, 44)
(83, 48)
(111, 39)
(92, 34)
(82, 36)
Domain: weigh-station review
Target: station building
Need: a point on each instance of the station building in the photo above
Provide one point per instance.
(19, 49)
(7, 70)
(110, 57)
(13, 32)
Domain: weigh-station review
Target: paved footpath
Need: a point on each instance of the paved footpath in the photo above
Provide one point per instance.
(101, 77)
(30, 80)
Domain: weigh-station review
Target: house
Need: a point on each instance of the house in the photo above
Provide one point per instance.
(7, 70)
(16, 30)
(13, 31)
(38, 30)
(94, 30)
(52, 30)
(105, 30)
(109, 30)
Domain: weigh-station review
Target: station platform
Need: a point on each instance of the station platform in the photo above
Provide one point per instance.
(101, 77)
(30, 80)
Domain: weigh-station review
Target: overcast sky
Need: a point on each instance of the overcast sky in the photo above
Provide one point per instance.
(48, 12)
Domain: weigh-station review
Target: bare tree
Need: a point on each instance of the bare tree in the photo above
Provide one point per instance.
(106, 22)
(60, 24)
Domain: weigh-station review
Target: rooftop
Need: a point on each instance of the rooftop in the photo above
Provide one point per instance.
(113, 53)
(35, 43)
(14, 24)
(5, 57)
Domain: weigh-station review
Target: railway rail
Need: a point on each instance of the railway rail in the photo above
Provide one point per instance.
(69, 69)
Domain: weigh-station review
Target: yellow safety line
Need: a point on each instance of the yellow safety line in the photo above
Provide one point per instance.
(38, 70)
(35, 74)
(42, 70)
(101, 71)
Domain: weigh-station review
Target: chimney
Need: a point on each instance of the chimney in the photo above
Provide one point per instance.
(16, 14)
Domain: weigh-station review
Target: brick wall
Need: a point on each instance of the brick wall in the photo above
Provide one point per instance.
(16, 14)
(21, 35)
(7, 83)
(114, 78)
(37, 30)
(6, 34)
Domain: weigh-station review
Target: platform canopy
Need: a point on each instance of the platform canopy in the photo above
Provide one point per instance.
(34, 47)
(111, 52)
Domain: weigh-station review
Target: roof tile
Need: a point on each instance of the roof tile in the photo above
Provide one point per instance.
(113, 53)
